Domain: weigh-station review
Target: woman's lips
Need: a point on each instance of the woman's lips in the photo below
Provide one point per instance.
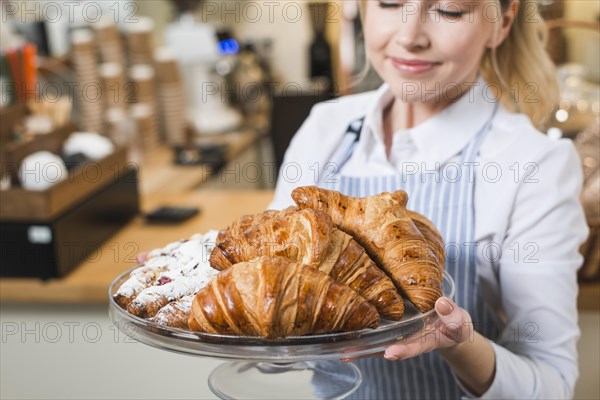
(413, 66)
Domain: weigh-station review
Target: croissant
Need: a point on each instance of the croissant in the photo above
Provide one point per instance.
(347, 262)
(175, 314)
(139, 279)
(176, 259)
(183, 280)
(273, 299)
(382, 226)
(430, 233)
(342, 258)
(263, 235)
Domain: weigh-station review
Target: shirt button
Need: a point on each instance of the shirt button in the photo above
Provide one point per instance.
(403, 146)
(402, 139)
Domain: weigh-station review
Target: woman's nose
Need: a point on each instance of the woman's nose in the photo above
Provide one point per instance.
(412, 30)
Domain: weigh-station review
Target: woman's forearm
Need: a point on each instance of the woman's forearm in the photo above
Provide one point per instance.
(473, 362)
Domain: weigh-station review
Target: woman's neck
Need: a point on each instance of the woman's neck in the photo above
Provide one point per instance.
(400, 114)
(403, 115)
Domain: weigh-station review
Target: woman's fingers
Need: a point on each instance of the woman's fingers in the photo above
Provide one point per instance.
(403, 351)
(141, 258)
(454, 327)
(374, 355)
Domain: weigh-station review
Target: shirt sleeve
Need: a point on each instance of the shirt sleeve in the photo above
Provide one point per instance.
(536, 355)
(296, 169)
(290, 171)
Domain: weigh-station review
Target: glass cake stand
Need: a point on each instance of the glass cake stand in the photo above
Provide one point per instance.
(306, 367)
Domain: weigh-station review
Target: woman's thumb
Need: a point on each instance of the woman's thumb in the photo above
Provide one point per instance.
(454, 319)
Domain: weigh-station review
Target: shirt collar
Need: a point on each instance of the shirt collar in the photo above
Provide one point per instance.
(444, 135)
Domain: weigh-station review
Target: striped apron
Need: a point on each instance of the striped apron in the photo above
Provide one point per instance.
(446, 198)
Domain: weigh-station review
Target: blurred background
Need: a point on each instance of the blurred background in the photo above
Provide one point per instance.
(109, 109)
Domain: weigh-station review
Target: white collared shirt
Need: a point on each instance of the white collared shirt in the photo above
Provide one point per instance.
(529, 223)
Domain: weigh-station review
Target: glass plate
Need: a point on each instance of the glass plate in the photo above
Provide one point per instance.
(291, 349)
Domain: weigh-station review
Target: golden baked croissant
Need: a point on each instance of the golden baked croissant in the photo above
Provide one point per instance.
(347, 262)
(382, 226)
(430, 233)
(276, 232)
(271, 298)
(262, 235)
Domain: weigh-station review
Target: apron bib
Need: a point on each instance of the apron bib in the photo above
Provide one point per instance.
(446, 198)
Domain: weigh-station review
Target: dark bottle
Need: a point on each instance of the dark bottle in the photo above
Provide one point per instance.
(320, 58)
(320, 50)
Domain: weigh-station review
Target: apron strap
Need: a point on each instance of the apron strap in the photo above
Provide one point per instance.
(355, 127)
(346, 148)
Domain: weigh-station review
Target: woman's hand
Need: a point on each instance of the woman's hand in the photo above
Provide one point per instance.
(142, 257)
(470, 355)
(454, 328)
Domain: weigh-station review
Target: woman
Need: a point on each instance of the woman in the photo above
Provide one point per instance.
(443, 127)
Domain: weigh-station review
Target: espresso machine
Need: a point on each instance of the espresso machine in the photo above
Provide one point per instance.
(203, 66)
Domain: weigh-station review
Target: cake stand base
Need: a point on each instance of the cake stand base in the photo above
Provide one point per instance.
(299, 380)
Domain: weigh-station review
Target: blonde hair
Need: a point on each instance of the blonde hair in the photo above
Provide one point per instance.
(520, 69)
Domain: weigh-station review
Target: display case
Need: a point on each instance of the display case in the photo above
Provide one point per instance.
(47, 233)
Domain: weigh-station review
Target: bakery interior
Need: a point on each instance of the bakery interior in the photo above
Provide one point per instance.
(125, 117)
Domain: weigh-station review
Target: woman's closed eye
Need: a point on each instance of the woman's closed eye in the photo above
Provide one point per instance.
(390, 4)
(450, 12)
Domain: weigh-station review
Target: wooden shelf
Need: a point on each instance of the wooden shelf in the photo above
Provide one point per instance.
(589, 296)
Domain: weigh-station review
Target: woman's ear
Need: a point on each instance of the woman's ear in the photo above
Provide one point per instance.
(502, 30)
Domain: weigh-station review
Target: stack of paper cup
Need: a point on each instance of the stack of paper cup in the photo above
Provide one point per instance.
(89, 92)
(109, 42)
(146, 127)
(122, 129)
(143, 82)
(170, 96)
(113, 86)
(139, 41)
(115, 119)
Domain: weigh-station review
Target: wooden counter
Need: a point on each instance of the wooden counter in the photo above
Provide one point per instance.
(589, 296)
(158, 173)
(89, 282)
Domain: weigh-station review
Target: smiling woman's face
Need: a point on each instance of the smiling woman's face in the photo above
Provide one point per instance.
(427, 49)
